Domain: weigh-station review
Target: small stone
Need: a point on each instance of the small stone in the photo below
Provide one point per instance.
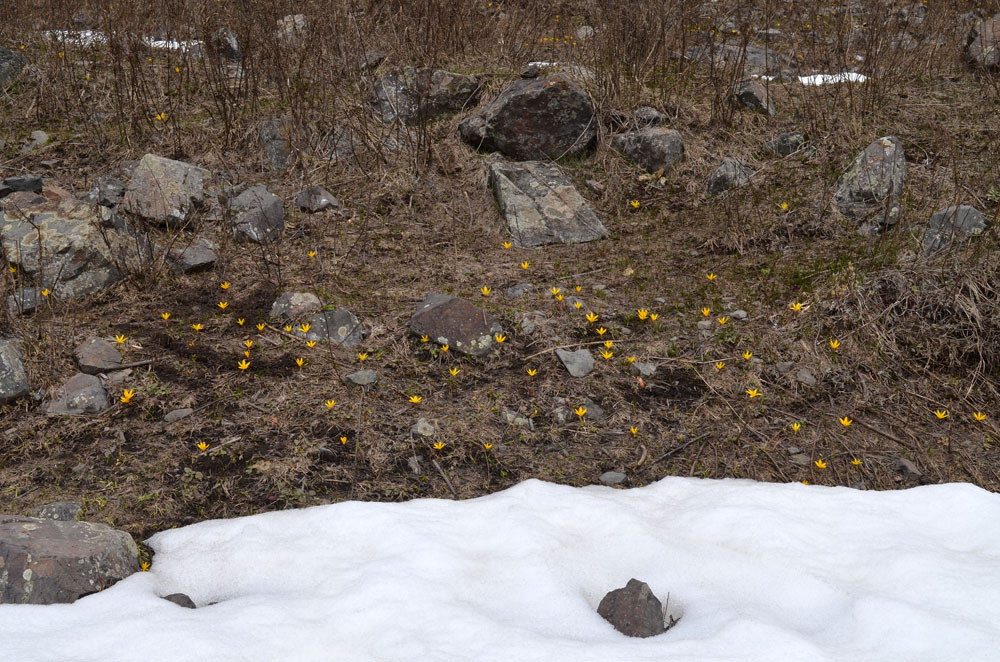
(654, 149)
(513, 418)
(371, 60)
(648, 116)
(31, 183)
(199, 256)
(80, 394)
(805, 376)
(585, 32)
(595, 187)
(634, 610)
(338, 326)
(455, 322)
(96, 355)
(705, 325)
(276, 143)
(181, 599)
(753, 96)
(785, 144)
(785, 366)
(738, 314)
(110, 192)
(316, 199)
(612, 478)
(958, 222)
(38, 140)
(177, 414)
(361, 378)
(295, 305)
(800, 459)
(413, 462)
(63, 511)
(579, 363)
(729, 175)
(423, 428)
(519, 290)
(643, 369)
(595, 412)
(908, 469)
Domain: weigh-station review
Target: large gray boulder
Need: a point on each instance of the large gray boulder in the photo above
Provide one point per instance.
(951, 223)
(62, 245)
(165, 191)
(13, 376)
(455, 322)
(541, 206)
(11, 64)
(730, 174)
(417, 94)
(45, 561)
(983, 45)
(654, 148)
(540, 118)
(258, 216)
(874, 182)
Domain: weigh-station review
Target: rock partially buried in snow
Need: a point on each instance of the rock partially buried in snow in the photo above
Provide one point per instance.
(541, 206)
(416, 94)
(165, 191)
(579, 363)
(654, 148)
(259, 216)
(181, 600)
(455, 322)
(960, 222)
(316, 199)
(13, 376)
(80, 394)
(730, 174)
(541, 118)
(295, 305)
(96, 355)
(633, 610)
(874, 182)
(46, 561)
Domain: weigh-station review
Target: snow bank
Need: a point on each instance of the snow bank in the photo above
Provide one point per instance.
(87, 38)
(757, 572)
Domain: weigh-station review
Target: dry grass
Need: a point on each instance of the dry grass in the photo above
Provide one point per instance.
(916, 335)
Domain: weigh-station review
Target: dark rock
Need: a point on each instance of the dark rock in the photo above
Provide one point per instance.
(339, 326)
(455, 322)
(361, 378)
(80, 394)
(785, 144)
(543, 118)
(752, 95)
(276, 143)
(181, 600)
(418, 94)
(96, 355)
(110, 191)
(24, 301)
(224, 42)
(613, 478)
(295, 305)
(579, 363)
(654, 149)
(32, 183)
(634, 610)
(11, 64)
(730, 174)
(959, 222)
(165, 191)
(258, 216)
(64, 511)
(541, 206)
(13, 377)
(982, 46)
(46, 561)
(874, 182)
(316, 199)
(198, 256)
(177, 414)
(908, 469)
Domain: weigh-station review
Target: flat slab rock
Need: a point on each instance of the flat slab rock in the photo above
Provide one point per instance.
(13, 376)
(537, 118)
(579, 363)
(541, 206)
(958, 222)
(97, 355)
(46, 561)
(295, 305)
(455, 322)
(165, 191)
(258, 216)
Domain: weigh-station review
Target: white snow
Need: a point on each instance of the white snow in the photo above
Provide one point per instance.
(824, 79)
(96, 38)
(768, 572)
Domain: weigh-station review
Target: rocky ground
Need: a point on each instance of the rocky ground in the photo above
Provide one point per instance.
(258, 261)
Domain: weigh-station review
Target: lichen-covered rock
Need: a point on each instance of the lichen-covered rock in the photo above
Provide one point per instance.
(455, 322)
(417, 94)
(983, 45)
(654, 148)
(541, 206)
(80, 394)
(874, 182)
(295, 305)
(65, 248)
(959, 222)
(542, 118)
(13, 376)
(11, 64)
(258, 216)
(165, 191)
(730, 174)
(45, 561)
(339, 326)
